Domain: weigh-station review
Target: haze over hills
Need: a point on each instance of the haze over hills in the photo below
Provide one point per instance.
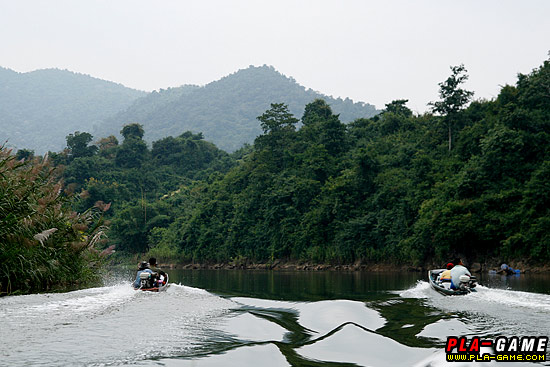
(39, 109)
(225, 111)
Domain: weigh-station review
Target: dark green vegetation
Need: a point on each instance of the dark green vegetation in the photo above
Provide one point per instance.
(144, 185)
(39, 108)
(470, 180)
(43, 243)
(388, 188)
(224, 111)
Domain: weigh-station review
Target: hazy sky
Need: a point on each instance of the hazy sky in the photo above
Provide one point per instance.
(371, 51)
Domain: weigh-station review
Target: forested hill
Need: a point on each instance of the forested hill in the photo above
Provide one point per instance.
(39, 109)
(467, 179)
(225, 111)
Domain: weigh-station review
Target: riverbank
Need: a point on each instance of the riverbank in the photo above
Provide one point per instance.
(358, 266)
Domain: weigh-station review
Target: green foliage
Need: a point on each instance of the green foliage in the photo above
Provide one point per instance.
(42, 242)
(77, 145)
(382, 189)
(453, 98)
(225, 111)
(385, 188)
(136, 180)
(132, 131)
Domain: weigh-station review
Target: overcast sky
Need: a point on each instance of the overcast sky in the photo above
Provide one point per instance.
(371, 51)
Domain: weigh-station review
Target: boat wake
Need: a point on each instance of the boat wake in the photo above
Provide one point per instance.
(535, 302)
(107, 326)
(490, 312)
(185, 326)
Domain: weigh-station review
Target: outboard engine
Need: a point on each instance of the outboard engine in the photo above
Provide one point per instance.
(464, 282)
(145, 280)
(462, 279)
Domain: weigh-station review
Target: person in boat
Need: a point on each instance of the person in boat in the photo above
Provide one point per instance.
(445, 275)
(143, 268)
(161, 277)
(505, 269)
(456, 272)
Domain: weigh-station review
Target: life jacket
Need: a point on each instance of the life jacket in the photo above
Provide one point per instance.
(445, 275)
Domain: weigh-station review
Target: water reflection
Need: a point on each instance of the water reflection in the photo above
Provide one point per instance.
(536, 283)
(297, 285)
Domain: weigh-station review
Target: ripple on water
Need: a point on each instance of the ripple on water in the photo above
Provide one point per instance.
(107, 326)
(116, 325)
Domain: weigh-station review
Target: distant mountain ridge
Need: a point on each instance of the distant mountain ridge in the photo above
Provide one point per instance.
(39, 109)
(225, 111)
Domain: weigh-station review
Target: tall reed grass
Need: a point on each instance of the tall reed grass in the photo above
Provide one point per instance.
(43, 243)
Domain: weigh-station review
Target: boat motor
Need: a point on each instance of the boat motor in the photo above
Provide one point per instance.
(145, 279)
(464, 281)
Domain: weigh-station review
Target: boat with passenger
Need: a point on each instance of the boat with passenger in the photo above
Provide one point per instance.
(149, 280)
(153, 283)
(454, 281)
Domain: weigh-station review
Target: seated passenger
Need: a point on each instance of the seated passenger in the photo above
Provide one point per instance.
(143, 268)
(161, 275)
(456, 272)
(445, 276)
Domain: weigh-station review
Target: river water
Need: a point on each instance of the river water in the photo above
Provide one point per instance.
(264, 318)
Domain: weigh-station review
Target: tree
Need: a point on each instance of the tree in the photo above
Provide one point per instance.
(133, 151)
(24, 154)
(77, 144)
(134, 130)
(321, 126)
(316, 111)
(277, 119)
(279, 126)
(107, 146)
(398, 107)
(453, 98)
(131, 154)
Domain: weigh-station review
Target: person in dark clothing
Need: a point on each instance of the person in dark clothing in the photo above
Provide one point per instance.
(161, 275)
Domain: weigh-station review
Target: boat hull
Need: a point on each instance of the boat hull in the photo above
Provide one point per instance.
(432, 277)
(155, 289)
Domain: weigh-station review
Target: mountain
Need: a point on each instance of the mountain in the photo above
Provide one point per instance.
(225, 111)
(39, 109)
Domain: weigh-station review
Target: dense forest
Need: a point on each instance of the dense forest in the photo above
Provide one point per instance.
(37, 109)
(225, 110)
(468, 177)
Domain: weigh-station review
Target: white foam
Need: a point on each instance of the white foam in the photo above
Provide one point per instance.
(516, 299)
(123, 324)
(421, 289)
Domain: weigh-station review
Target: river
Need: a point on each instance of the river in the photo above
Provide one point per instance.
(265, 318)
